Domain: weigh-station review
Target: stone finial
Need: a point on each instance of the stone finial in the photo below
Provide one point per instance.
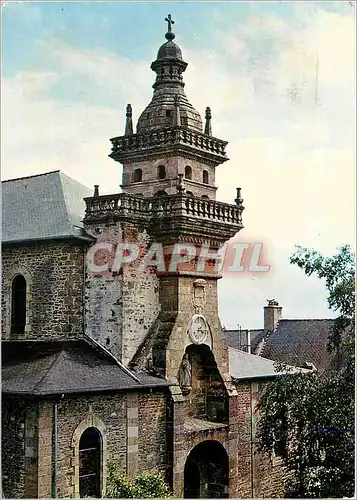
(96, 190)
(239, 199)
(177, 116)
(208, 125)
(179, 185)
(129, 120)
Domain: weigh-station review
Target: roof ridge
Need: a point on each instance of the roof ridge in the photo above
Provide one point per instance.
(306, 319)
(30, 176)
(54, 362)
(114, 358)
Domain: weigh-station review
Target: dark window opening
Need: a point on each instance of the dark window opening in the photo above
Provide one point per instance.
(188, 172)
(205, 177)
(90, 463)
(184, 121)
(189, 193)
(18, 306)
(168, 113)
(148, 115)
(160, 193)
(161, 172)
(205, 197)
(137, 175)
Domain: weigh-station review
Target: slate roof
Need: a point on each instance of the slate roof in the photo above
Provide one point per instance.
(239, 338)
(297, 341)
(40, 368)
(44, 206)
(243, 366)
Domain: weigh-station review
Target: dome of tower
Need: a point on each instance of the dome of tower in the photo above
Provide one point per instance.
(168, 90)
(169, 50)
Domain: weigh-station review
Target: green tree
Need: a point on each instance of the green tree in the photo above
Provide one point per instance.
(308, 419)
(146, 485)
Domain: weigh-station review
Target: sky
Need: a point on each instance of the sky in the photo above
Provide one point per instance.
(279, 78)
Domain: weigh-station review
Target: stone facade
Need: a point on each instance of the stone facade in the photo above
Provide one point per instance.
(54, 273)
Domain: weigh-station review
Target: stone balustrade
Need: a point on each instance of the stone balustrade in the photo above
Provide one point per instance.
(168, 136)
(179, 205)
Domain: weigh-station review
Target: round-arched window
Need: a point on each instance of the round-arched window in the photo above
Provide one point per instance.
(188, 172)
(205, 177)
(90, 463)
(18, 305)
(137, 175)
(161, 172)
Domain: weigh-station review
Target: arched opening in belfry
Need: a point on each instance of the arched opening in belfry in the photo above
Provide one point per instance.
(137, 175)
(206, 473)
(90, 450)
(18, 305)
(188, 172)
(161, 172)
(205, 177)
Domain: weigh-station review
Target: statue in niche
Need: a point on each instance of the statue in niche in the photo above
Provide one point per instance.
(185, 374)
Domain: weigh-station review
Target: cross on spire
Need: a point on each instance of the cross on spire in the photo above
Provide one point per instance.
(169, 22)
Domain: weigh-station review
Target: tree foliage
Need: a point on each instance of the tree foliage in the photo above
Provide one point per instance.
(146, 485)
(308, 419)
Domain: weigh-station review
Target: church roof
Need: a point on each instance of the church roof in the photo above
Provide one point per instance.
(49, 367)
(45, 206)
(243, 366)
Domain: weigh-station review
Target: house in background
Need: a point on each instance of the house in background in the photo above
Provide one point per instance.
(297, 342)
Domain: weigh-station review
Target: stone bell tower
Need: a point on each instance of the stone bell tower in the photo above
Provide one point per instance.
(163, 319)
(168, 197)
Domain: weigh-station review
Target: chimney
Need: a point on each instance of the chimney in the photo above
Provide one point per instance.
(272, 314)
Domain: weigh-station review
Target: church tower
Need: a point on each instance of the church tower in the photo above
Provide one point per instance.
(163, 318)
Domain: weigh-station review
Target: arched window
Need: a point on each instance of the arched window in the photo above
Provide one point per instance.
(90, 463)
(137, 175)
(188, 172)
(18, 305)
(205, 177)
(204, 196)
(160, 193)
(189, 193)
(161, 172)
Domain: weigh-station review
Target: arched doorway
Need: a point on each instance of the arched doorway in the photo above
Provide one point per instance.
(206, 471)
(90, 463)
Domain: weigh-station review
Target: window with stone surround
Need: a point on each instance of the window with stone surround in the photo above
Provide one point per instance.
(161, 172)
(137, 175)
(18, 305)
(188, 172)
(89, 445)
(205, 177)
(90, 463)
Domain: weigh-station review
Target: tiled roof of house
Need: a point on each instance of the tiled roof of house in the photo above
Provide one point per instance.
(40, 368)
(46, 206)
(297, 341)
(243, 366)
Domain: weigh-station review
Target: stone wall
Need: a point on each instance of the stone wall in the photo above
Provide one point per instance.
(120, 306)
(257, 476)
(174, 165)
(13, 448)
(54, 274)
(132, 427)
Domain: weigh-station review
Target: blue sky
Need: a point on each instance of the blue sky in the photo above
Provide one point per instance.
(279, 77)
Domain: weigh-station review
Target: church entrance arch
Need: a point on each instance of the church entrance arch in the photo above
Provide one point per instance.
(206, 471)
